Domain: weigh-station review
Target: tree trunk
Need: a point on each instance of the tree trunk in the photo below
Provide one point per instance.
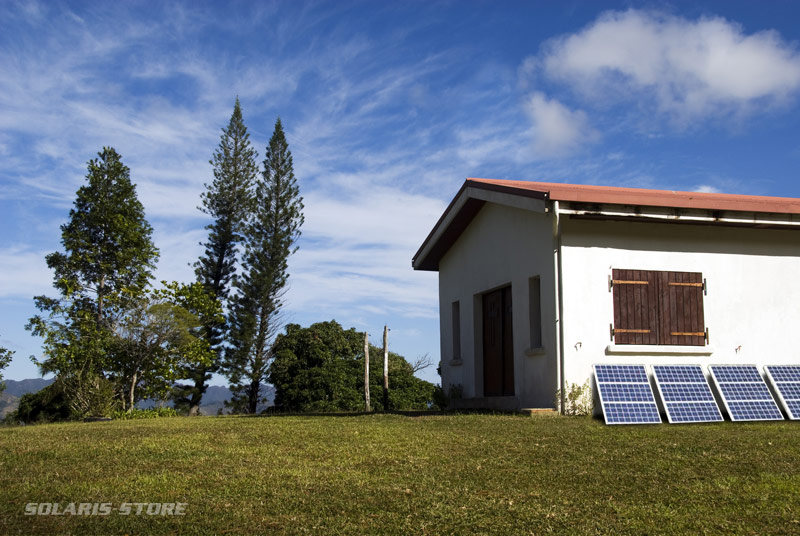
(134, 379)
(100, 294)
(197, 394)
(252, 402)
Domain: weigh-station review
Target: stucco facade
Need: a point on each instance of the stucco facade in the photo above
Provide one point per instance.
(560, 329)
(520, 241)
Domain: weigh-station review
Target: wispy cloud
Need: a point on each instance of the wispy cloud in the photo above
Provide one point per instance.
(25, 272)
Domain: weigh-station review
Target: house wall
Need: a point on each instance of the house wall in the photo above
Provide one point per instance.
(751, 307)
(501, 246)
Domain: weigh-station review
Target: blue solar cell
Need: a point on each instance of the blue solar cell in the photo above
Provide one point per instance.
(794, 408)
(745, 394)
(680, 374)
(631, 413)
(736, 373)
(786, 381)
(789, 390)
(745, 391)
(686, 394)
(620, 374)
(755, 410)
(625, 394)
(693, 412)
(785, 373)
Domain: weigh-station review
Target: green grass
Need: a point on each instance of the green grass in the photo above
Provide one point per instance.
(392, 474)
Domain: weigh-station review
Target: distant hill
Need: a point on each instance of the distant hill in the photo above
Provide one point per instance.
(213, 400)
(9, 398)
(23, 387)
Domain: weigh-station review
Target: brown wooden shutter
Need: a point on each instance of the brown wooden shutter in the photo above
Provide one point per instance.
(635, 306)
(682, 322)
(656, 307)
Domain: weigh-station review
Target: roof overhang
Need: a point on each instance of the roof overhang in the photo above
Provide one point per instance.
(607, 203)
(464, 206)
(727, 218)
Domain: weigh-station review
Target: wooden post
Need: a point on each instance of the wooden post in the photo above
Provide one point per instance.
(385, 368)
(367, 407)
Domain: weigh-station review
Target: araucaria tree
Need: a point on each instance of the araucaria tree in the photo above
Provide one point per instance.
(229, 200)
(270, 238)
(106, 266)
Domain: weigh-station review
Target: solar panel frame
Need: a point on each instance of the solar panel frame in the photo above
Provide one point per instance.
(693, 401)
(742, 408)
(785, 380)
(637, 408)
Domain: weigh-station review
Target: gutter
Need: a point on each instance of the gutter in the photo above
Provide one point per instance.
(559, 301)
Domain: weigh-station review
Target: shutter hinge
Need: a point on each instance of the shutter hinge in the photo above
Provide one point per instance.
(708, 340)
(705, 288)
(611, 328)
(610, 284)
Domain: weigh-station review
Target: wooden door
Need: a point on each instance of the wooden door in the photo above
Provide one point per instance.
(498, 344)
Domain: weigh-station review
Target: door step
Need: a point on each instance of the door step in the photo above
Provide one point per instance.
(538, 411)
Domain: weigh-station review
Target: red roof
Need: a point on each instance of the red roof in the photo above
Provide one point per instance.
(442, 236)
(650, 198)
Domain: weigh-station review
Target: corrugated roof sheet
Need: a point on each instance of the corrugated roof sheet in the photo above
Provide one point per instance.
(651, 198)
(432, 249)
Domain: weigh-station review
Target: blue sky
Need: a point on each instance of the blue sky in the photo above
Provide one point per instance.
(388, 107)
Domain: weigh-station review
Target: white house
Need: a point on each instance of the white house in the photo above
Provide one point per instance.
(538, 281)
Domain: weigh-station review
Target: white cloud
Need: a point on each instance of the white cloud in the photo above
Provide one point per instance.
(706, 189)
(688, 69)
(557, 130)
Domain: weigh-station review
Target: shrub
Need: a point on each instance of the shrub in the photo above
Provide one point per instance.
(578, 400)
(47, 405)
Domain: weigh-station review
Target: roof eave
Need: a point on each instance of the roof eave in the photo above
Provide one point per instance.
(462, 209)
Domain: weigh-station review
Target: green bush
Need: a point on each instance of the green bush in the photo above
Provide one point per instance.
(578, 400)
(136, 413)
(47, 405)
(321, 369)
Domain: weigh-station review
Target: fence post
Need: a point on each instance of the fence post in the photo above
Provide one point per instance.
(385, 368)
(367, 407)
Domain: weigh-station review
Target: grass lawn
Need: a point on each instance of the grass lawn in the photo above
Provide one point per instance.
(392, 474)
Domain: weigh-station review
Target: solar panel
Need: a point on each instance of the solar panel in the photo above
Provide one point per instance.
(746, 396)
(625, 394)
(686, 394)
(786, 381)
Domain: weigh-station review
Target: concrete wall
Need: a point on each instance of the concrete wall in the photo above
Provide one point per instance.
(501, 246)
(752, 307)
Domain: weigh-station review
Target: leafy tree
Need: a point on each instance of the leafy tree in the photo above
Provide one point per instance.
(270, 239)
(106, 265)
(5, 359)
(159, 338)
(229, 200)
(321, 368)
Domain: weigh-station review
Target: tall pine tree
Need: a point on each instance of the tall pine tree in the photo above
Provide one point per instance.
(107, 264)
(270, 239)
(229, 200)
